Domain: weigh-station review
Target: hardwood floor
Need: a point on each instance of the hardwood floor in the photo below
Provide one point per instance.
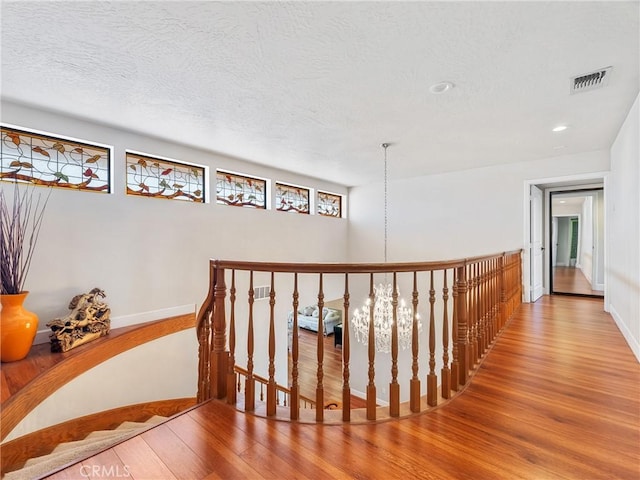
(558, 397)
(332, 368)
(572, 280)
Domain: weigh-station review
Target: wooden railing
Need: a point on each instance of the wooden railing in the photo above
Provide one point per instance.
(283, 394)
(463, 305)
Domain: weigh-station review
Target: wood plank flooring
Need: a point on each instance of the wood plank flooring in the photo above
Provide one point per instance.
(572, 280)
(558, 397)
(332, 369)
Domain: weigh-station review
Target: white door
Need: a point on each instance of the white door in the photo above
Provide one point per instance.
(536, 245)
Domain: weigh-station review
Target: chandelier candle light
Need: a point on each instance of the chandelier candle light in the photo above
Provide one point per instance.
(383, 304)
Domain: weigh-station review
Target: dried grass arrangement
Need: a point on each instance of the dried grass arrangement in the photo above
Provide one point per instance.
(19, 230)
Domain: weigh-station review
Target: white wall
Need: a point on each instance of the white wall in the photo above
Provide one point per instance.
(456, 214)
(564, 242)
(587, 232)
(599, 229)
(152, 254)
(623, 217)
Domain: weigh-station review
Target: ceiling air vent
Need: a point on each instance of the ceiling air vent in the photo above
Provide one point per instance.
(590, 81)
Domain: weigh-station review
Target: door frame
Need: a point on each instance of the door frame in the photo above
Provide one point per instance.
(586, 190)
(536, 248)
(569, 182)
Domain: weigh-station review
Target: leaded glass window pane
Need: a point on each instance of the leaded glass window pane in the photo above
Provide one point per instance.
(54, 162)
(292, 199)
(240, 190)
(158, 178)
(329, 204)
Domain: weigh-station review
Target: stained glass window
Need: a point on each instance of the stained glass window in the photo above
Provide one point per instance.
(54, 162)
(159, 178)
(240, 190)
(329, 204)
(292, 199)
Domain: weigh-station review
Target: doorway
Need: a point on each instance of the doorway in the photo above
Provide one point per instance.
(577, 242)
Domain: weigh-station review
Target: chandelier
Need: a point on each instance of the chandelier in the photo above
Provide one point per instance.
(383, 309)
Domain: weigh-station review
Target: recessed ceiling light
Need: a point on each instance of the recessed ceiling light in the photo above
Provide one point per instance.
(563, 201)
(559, 147)
(438, 88)
(560, 128)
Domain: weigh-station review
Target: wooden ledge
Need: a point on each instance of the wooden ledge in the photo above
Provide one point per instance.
(26, 383)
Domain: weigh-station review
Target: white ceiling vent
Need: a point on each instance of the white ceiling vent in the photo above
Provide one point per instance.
(590, 81)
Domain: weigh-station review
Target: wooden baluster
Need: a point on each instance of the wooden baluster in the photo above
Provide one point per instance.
(488, 305)
(492, 303)
(295, 388)
(518, 279)
(346, 352)
(478, 313)
(499, 300)
(394, 387)
(490, 300)
(507, 287)
(204, 331)
(455, 361)
(432, 379)
(231, 373)
(518, 261)
(499, 308)
(220, 357)
(502, 293)
(371, 386)
(445, 373)
(495, 300)
(249, 386)
(512, 290)
(414, 395)
(470, 314)
(472, 317)
(482, 294)
(320, 353)
(271, 386)
(463, 333)
(482, 307)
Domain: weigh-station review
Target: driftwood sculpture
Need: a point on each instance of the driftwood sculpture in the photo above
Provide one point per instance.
(88, 320)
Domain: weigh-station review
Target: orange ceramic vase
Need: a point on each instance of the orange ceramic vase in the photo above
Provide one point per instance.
(18, 327)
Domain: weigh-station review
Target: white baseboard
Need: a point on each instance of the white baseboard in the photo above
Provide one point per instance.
(634, 344)
(598, 286)
(127, 320)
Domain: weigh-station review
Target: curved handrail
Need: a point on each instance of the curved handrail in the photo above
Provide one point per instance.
(329, 267)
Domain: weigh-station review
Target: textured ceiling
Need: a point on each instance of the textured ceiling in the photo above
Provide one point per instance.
(316, 87)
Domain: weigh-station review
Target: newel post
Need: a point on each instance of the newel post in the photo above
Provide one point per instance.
(219, 354)
(462, 315)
